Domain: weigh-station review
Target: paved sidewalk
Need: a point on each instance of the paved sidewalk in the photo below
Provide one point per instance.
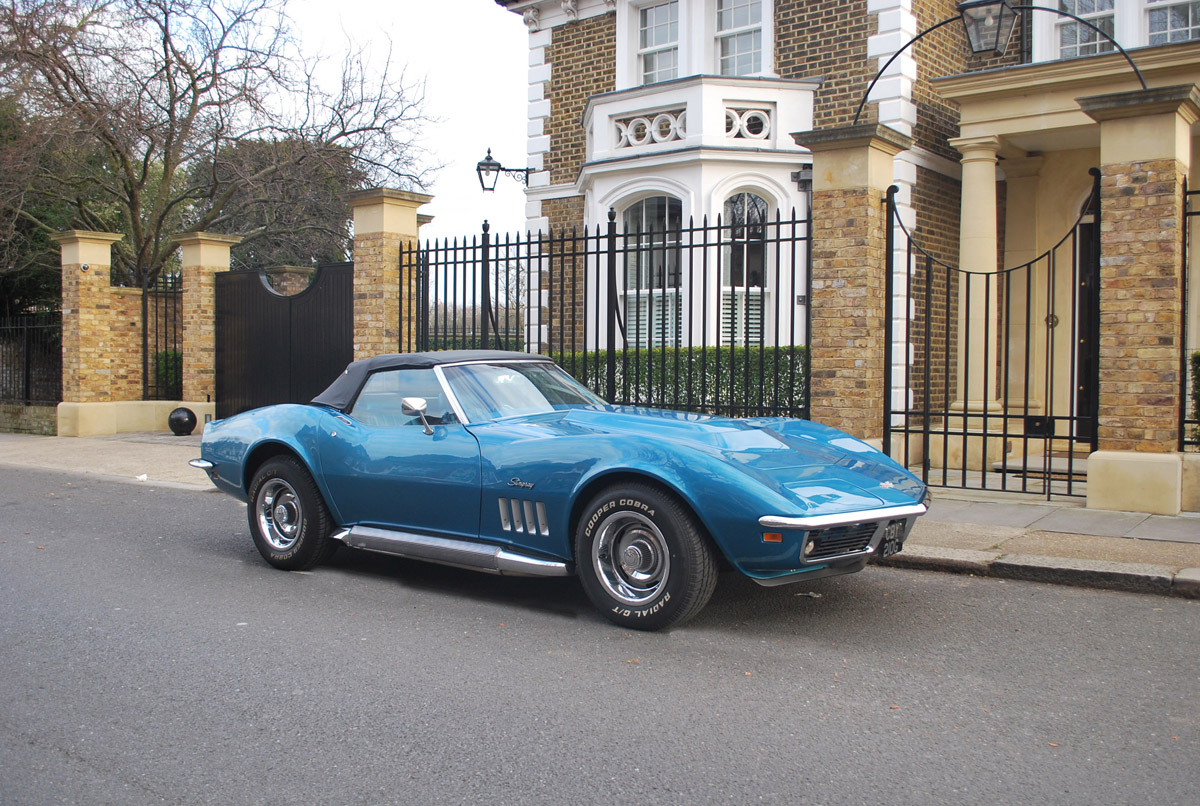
(992, 534)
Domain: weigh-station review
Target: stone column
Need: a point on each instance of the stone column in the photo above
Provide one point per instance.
(1020, 247)
(202, 256)
(385, 223)
(1145, 152)
(978, 254)
(852, 169)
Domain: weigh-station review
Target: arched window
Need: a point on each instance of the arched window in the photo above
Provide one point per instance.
(652, 301)
(744, 272)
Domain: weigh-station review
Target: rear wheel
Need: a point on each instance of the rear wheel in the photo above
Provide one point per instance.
(288, 517)
(642, 558)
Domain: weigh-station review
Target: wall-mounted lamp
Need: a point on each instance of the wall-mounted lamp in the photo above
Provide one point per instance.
(489, 169)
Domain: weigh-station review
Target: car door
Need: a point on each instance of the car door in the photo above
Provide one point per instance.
(382, 469)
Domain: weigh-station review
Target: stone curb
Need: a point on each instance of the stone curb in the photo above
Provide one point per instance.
(1134, 577)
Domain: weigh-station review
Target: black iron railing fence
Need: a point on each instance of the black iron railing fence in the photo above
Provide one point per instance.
(1189, 361)
(706, 317)
(31, 359)
(162, 337)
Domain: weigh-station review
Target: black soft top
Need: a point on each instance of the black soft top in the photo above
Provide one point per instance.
(341, 392)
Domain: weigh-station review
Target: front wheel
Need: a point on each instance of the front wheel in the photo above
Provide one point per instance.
(288, 517)
(642, 559)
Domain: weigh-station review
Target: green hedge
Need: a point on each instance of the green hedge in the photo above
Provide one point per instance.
(168, 374)
(738, 381)
(509, 342)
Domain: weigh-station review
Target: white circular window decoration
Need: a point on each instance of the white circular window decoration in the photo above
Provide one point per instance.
(663, 128)
(733, 123)
(751, 124)
(639, 131)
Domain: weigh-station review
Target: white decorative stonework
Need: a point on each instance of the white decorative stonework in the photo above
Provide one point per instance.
(571, 9)
(532, 18)
(747, 124)
(643, 130)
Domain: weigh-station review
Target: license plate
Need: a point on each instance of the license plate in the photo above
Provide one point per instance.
(893, 539)
(890, 546)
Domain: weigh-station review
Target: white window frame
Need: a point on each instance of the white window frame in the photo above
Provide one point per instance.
(1131, 26)
(659, 48)
(699, 48)
(731, 33)
(1162, 5)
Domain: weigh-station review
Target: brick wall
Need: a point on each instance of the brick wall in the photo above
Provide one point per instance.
(566, 296)
(102, 338)
(1141, 305)
(583, 60)
(848, 325)
(936, 198)
(377, 307)
(564, 214)
(827, 38)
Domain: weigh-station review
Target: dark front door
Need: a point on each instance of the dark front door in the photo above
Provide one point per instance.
(278, 349)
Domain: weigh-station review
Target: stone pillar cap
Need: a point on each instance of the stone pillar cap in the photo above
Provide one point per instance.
(861, 135)
(86, 235)
(202, 237)
(1183, 98)
(357, 197)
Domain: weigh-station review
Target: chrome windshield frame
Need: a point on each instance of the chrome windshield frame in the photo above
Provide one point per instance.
(439, 373)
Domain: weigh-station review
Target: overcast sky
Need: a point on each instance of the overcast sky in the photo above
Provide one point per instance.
(474, 57)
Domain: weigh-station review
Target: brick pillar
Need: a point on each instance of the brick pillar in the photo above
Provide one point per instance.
(203, 254)
(88, 339)
(385, 220)
(852, 169)
(1145, 152)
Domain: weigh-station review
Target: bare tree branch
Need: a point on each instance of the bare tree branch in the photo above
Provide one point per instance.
(155, 116)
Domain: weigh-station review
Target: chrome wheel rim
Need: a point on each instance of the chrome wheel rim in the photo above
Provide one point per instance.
(631, 558)
(280, 516)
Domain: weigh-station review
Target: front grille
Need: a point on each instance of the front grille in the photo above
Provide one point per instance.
(838, 540)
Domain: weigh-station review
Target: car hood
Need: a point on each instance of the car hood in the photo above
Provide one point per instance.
(820, 467)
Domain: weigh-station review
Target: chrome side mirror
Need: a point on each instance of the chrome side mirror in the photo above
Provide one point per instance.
(415, 407)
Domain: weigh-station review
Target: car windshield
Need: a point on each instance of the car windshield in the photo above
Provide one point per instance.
(491, 391)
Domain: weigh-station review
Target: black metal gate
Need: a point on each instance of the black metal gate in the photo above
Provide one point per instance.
(278, 349)
(162, 337)
(999, 384)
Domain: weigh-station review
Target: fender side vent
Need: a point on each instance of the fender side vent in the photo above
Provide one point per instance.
(526, 517)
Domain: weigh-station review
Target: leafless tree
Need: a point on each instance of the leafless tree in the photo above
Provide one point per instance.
(158, 116)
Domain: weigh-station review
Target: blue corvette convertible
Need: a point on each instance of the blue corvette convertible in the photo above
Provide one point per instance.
(501, 462)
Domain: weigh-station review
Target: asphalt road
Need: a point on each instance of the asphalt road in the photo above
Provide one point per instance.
(148, 655)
